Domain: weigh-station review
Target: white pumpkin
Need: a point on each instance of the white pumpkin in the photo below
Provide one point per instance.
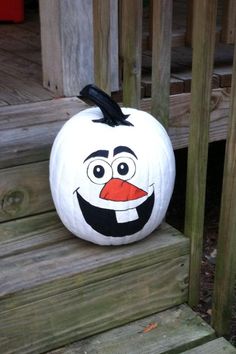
(112, 172)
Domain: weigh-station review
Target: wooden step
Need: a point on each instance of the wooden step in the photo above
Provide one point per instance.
(28, 130)
(171, 331)
(56, 288)
(217, 346)
(27, 133)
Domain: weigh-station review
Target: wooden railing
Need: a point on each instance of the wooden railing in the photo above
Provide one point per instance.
(100, 64)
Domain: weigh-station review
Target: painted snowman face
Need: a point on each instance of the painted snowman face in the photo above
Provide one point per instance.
(111, 184)
(112, 199)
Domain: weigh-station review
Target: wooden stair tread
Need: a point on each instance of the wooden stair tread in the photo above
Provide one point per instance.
(28, 130)
(58, 288)
(48, 245)
(217, 346)
(176, 329)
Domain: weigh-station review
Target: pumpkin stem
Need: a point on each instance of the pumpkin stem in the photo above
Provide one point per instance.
(112, 113)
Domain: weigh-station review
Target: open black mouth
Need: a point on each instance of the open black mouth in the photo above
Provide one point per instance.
(104, 220)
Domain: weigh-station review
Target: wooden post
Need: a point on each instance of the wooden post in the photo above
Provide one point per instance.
(67, 40)
(131, 50)
(161, 59)
(203, 50)
(226, 259)
(228, 21)
(101, 28)
(189, 23)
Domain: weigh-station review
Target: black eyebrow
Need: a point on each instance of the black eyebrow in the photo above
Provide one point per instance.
(100, 153)
(120, 149)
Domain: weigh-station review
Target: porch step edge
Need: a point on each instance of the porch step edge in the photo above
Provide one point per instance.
(171, 331)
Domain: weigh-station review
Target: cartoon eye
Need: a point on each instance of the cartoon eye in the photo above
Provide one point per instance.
(123, 168)
(99, 171)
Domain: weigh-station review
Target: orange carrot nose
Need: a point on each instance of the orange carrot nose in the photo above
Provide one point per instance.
(118, 190)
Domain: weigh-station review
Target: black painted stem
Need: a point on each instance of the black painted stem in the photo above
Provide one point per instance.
(112, 113)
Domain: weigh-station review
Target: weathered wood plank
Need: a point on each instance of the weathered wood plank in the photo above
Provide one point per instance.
(20, 146)
(178, 38)
(181, 59)
(176, 329)
(11, 32)
(109, 47)
(21, 68)
(180, 112)
(102, 43)
(31, 114)
(114, 45)
(161, 59)
(176, 85)
(225, 75)
(186, 77)
(3, 103)
(21, 79)
(204, 23)
(228, 22)
(189, 22)
(51, 43)
(226, 260)
(15, 91)
(27, 131)
(26, 144)
(74, 314)
(20, 48)
(66, 52)
(217, 346)
(131, 51)
(24, 190)
(38, 231)
(64, 262)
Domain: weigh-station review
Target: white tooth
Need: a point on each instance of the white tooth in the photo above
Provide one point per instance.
(126, 215)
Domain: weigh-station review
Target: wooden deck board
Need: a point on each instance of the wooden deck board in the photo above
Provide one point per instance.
(24, 235)
(20, 59)
(176, 329)
(15, 91)
(179, 116)
(36, 125)
(26, 148)
(20, 48)
(28, 130)
(20, 68)
(60, 288)
(20, 62)
(217, 346)
(72, 256)
(74, 314)
(28, 115)
(25, 191)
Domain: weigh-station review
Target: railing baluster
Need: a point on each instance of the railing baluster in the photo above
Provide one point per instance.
(203, 49)
(101, 23)
(161, 59)
(189, 22)
(228, 21)
(226, 258)
(131, 50)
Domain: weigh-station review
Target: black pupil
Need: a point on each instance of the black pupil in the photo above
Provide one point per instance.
(123, 168)
(98, 171)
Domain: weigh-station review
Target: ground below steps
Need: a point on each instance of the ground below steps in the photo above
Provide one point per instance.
(172, 331)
